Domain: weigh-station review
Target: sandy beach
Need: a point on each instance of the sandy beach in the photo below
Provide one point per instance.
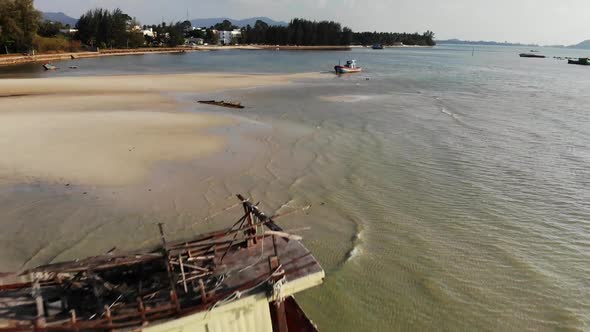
(106, 130)
(90, 156)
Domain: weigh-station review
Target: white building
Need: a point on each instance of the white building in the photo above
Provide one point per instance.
(149, 32)
(226, 37)
(194, 41)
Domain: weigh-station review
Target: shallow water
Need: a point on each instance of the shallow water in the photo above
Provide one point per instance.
(447, 191)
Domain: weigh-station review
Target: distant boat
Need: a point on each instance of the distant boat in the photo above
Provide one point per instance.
(580, 61)
(529, 55)
(349, 67)
(49, 66)
(377, 46)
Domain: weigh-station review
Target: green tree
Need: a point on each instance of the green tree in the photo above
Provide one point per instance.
(186, 26)
(19, 21)
(224, 26)
(175, 34)
(211, 38)
(49, 29)
(104, 28)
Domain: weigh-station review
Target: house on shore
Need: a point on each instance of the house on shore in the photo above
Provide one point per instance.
(228, 37)
(194, 41)
(149, 32)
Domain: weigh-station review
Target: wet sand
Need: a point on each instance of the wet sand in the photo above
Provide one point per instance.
(95, 162)
(106, 130)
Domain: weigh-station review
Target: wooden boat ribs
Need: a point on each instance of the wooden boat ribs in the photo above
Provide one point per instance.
(113, 291)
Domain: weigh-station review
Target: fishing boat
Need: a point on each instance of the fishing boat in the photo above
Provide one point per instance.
(349, 67)
(377, 46)
(241, 278)
(49, 66)
(529, 55)
(580, 61)
(222, 103)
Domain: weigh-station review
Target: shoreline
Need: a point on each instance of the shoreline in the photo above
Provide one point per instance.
(12, 60)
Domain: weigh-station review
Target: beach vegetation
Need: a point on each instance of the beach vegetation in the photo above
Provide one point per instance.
(57, 44)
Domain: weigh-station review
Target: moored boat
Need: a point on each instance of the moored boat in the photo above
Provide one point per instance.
(377, 46)
(580, 61)
(529, 55)
(349, 67)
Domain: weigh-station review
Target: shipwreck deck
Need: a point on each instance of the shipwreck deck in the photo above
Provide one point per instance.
(254, 258)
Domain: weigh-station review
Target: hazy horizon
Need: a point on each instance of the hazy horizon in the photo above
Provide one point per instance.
(536, 22)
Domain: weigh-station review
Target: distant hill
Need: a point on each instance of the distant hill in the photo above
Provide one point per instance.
(60, 17)
(481, 42)
(585, 45)
(207, 22)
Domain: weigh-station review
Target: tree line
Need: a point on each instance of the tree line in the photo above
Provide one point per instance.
(22, 30)
(298, 32)
(105, 28)
(387, 38)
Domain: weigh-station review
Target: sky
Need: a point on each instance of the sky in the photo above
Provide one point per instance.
(543, 22)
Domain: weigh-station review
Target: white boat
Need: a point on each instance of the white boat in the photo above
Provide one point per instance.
(349, 67)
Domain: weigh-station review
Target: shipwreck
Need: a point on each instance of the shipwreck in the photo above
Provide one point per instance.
(242, 278)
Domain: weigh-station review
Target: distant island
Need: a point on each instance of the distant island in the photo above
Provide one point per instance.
(482, 42)
(585, 45)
